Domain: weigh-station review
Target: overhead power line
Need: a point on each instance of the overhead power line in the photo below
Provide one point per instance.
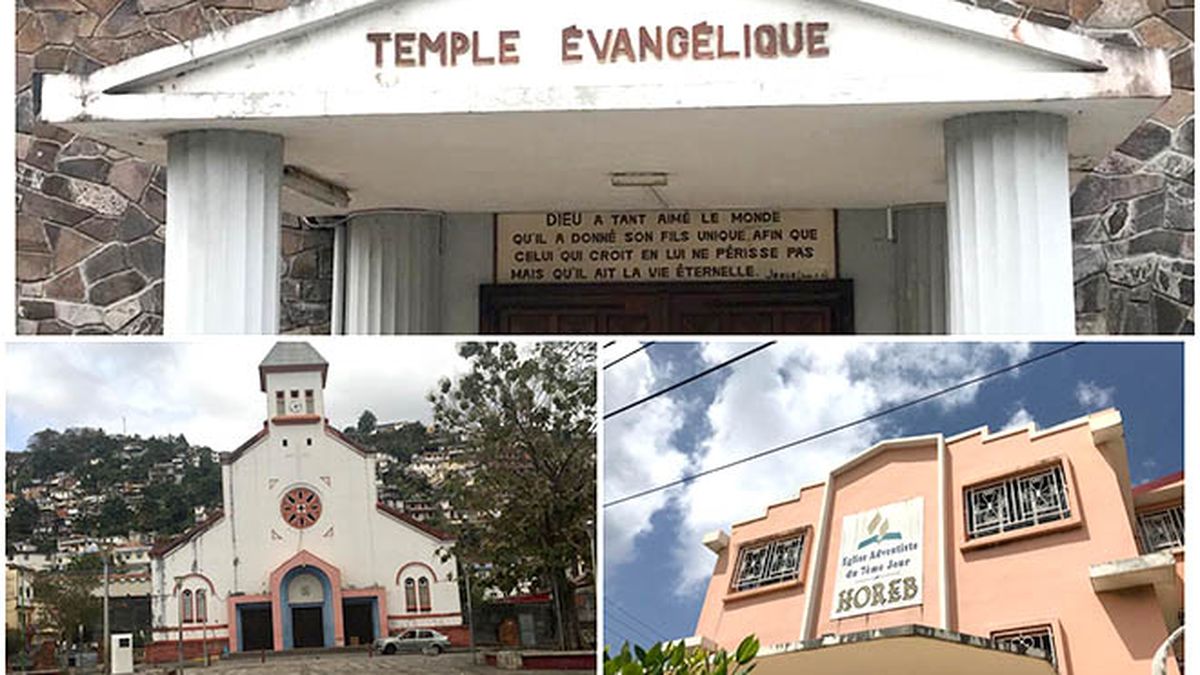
(832, 430)
(654, 632)
(626, 629)
(689, 380)
(622, 358)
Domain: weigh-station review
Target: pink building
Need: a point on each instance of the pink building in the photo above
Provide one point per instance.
(1025, 551)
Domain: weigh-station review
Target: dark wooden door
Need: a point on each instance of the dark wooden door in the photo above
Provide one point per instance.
(357, 624)
(257, 633)
(665, 309)
(307, 627)
(571, 313)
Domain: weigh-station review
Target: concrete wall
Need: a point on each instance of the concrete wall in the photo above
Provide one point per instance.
(774, 617)
(206, 558)
(866, 256)
(467, 262)
(1035, 579)
(299, 382)
(890, 476)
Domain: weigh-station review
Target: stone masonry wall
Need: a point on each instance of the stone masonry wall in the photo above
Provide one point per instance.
(1133, 212)
(90, 219)
(306, 289)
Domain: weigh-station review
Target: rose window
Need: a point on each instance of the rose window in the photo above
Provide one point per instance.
(300, 507)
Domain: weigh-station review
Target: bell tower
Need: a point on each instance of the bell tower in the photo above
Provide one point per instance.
(293, 378)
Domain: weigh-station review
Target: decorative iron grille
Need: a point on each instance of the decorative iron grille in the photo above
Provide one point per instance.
(770, 562)
(1016, 503)
(1161, 529)
(1037, 637)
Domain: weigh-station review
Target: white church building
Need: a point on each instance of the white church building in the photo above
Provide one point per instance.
(302, 554)
(773, 166)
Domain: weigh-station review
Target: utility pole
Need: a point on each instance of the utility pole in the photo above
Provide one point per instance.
(589, 527)
(104, 646)
(591, 533)
(470, 613)
(21, 617)
(562, 638)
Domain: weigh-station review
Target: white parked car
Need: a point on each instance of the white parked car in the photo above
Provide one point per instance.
(416, 640)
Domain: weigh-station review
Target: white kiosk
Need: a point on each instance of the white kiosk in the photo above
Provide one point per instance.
(121, 648)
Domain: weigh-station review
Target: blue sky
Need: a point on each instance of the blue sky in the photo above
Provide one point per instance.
(656, 569)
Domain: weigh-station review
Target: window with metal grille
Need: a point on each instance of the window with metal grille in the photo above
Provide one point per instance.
(769, 562)
(1037, 637)
(1162, 529)
(1017, 502)
(423, 595)
(410, 596)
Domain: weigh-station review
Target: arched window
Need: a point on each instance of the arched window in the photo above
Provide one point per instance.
(410, 596)
(201, 606)
(185, 607)
(423, 588)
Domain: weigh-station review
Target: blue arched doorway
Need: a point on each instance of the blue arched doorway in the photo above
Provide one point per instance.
(306, 599)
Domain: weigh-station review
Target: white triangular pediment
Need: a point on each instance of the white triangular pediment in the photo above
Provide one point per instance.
(340, 56)
(534, 46)
(873, 75)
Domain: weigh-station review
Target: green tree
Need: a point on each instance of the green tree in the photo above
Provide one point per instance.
(673, 658)
(366, 423)
(165, 509)
(115, 518)
(525, 416)
(402, 442)
(22, 518)
(66, 596)
(202, 483)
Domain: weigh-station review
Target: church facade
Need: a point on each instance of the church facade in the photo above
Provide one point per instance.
(1023, 551)
(302, 554)
(1006, 168)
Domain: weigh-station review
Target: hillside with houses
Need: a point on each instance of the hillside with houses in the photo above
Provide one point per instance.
(82, 490)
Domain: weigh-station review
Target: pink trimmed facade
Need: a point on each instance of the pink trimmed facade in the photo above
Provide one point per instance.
(302, 553)
(1024, 537)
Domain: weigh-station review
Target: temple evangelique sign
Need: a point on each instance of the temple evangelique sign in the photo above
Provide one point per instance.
(702, 41)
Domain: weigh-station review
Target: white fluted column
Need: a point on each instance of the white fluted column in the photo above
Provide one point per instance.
(392, 282)
(1008, 207)
(222, 255)
(920, 269)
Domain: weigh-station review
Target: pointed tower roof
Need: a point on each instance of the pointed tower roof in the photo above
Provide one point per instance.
(287, 357)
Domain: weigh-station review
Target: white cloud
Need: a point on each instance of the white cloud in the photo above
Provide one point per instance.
(1094, 397)
(638, 452)
(778, 395)
(1020, 418)
(208, 391)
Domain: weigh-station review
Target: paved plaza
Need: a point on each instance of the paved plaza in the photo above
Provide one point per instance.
(356, 662)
